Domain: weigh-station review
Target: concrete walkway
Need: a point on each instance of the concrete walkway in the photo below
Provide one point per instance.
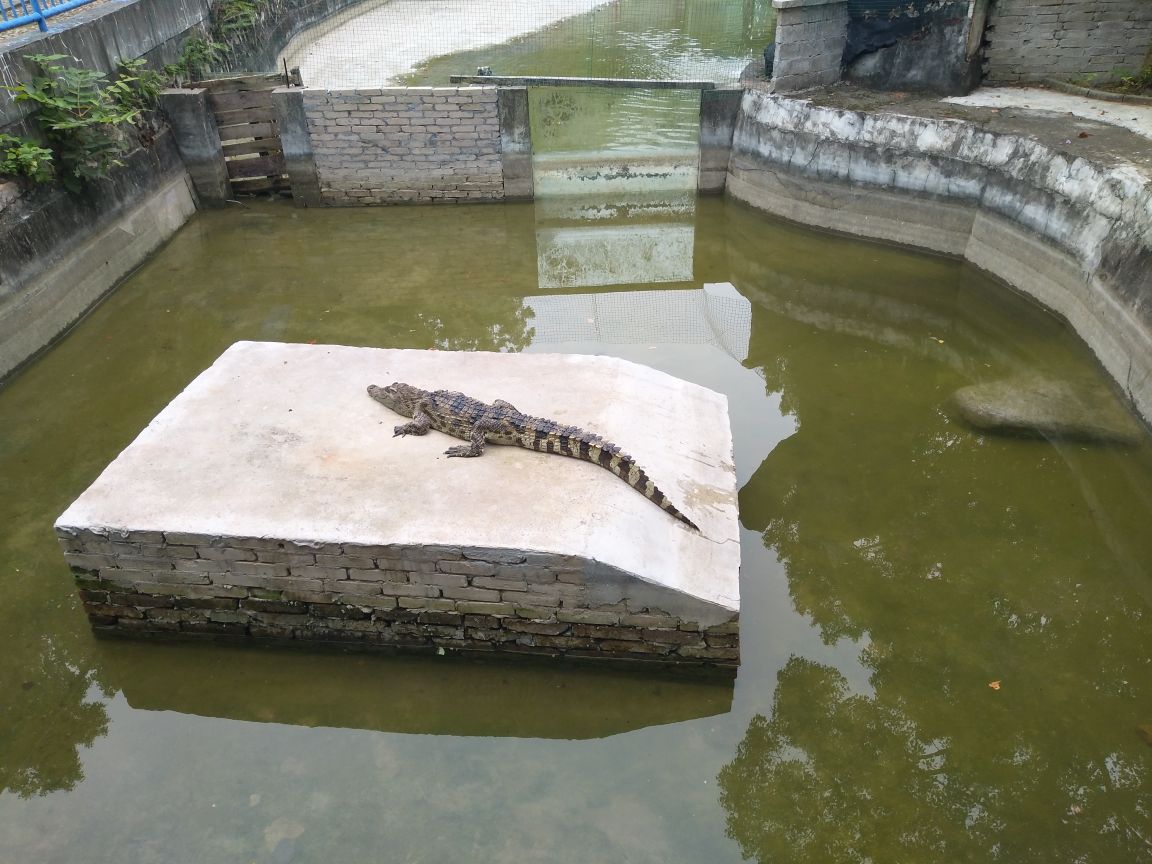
(1136, 118)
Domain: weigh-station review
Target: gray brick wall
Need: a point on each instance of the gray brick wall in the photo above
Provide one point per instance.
(810, 39)
(405, 144)
(1031, 39)
(415, 598)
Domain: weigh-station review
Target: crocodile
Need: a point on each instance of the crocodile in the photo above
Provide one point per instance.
(479, 423)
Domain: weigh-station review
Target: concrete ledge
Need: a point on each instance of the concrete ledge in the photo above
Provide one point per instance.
(271, 500)
(59, 255)
(1075, 235)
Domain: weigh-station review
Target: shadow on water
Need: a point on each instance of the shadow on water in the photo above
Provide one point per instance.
(426, 696)
(896, 563)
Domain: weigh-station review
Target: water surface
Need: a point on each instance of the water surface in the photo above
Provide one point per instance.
(895, 564)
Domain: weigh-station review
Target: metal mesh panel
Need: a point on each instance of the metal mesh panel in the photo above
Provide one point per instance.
(425, 41)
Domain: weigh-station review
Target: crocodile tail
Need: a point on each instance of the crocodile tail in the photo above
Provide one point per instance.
(593, 448)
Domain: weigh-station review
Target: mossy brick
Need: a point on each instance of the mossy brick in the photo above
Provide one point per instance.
(588, 616)
(142, 600)
(307, 596)
(204, 603)
(111, 611)
(396, 615)
(229, 616)
(722, 640)
(479, 620)
(474, 607)
(215, 628)
(543, 628)
(101, 597)
(145, 625)
(671, 636)
(599, 631)
(620, 646)
(292, 559)
(706, 653)
(405, 589)
(177, 615)
(565, 642)
(190, 590)
(284, 606)
(273, 583)
(440, 618)
(482, 635)
(649, 620)
(367, 601)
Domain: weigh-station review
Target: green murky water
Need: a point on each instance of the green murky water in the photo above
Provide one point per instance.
(895, 563)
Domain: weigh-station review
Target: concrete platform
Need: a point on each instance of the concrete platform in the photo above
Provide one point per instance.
(274, 479)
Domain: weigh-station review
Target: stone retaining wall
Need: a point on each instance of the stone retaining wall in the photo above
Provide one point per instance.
(1031, 39)
(1073, 234)
(405, 144)
(416, 598)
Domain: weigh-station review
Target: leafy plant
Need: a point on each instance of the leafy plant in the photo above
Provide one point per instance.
(232, 16)
(20, 157)
(1135, 82)
(81, 113)
(143, 85)
(200, 53)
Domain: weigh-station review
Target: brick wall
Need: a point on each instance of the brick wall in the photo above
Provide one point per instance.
(1030, 39)
(392, 145)
(416, 598)
(810, 39)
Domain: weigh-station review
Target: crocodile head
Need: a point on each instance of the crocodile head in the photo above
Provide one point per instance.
(401, 398)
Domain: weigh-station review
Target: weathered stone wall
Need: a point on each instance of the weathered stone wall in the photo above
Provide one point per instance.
(918, 45)
(60, 253)
(1031, 39)
(418, 598)
(405, 144)
(810, 39)
(1073, 234)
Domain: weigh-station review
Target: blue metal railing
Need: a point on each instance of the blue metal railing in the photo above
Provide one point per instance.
(16, 13)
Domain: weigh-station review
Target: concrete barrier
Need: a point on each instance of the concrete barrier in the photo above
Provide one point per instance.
(1073, 234)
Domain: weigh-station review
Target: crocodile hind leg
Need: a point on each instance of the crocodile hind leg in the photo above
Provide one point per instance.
(419, 425)
(475, 446)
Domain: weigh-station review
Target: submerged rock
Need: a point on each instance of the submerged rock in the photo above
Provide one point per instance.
(1047, 409)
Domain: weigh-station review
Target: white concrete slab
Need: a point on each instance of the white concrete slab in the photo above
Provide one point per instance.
(1135, 118)
(281, 441)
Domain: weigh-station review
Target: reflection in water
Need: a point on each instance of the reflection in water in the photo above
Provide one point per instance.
(441, 696)
(895, 563)
(713, 315)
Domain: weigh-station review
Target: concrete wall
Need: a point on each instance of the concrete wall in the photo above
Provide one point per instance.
(919, 45)
(411, 597)
(99, 37)
(415, 144)
(59, 254)
(1030, 39)
(1075, 235)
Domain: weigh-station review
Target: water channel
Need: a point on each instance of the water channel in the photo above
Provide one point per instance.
(896, 563)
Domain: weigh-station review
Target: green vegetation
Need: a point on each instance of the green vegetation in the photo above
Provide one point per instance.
(1134, 82)
(82, 114)
(20, 157)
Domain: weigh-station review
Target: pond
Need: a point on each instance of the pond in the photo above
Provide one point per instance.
(896, 563)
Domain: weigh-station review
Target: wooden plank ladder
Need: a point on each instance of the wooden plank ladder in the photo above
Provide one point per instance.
(249, 132)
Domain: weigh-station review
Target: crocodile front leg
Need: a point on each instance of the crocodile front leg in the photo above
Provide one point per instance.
(476, 441)
(419, 425)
